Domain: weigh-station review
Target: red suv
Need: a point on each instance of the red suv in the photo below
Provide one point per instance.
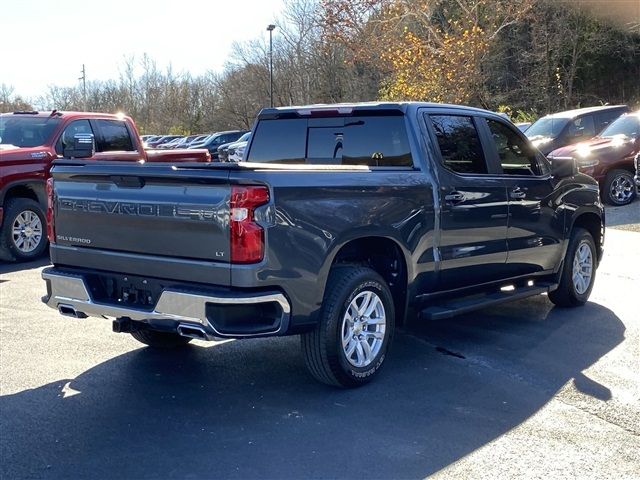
(608, 158)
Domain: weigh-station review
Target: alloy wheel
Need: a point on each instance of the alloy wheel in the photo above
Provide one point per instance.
(27, 231)
(622, 189)
(582, 268)
(363, 329)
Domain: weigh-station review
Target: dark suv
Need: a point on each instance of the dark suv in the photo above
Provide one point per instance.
(217, 139)
(566, 128)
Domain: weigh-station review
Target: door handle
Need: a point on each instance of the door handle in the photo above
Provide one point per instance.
(454, 198)
(517, 194)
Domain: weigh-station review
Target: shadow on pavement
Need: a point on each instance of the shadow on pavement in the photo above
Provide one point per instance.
(10, 267)
(623, 215)
(248, 409)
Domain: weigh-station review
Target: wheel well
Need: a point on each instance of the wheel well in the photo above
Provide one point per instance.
(22, 191)
(386, 258)
(592, 223)
(624, 167)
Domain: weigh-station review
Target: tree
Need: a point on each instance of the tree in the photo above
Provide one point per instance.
(432, 49)
(9, 102)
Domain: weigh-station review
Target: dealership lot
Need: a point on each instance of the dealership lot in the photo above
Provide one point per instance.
(520, 390)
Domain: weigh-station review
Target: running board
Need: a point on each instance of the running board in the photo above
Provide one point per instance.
(448, 308)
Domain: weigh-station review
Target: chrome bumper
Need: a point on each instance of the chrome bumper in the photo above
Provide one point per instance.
(70, 291)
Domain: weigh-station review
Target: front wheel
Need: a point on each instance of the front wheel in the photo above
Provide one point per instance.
(350, 343)
(578, 271)
(619, 188)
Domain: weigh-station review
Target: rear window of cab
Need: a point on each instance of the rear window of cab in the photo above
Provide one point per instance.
(375, 141)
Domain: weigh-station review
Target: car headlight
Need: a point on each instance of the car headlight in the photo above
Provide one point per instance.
(588, 162)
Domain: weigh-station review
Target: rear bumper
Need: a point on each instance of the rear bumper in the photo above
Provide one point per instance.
(220, 314)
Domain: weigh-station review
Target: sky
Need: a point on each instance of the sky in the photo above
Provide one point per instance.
(46, 42)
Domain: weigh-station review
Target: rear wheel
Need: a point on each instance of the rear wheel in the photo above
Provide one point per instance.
(23, 236)
(619, 187)
(156, 339)
(350, 343)
(578, 271)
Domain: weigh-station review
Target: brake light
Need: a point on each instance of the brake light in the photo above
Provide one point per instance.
(247, 237)
(51, 231)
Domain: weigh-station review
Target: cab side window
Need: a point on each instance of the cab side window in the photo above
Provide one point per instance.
(582, 128)
(66, 139)
(516, 156)
(605, 118)
(115, 137)
(459, 144)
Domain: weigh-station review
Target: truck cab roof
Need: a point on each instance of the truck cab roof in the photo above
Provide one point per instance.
(362, 107)
(67, 115)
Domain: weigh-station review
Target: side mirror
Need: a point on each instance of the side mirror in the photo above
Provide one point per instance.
(84, 146)
(563, 167)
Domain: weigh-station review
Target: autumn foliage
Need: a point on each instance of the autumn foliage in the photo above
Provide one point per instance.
(431, 49)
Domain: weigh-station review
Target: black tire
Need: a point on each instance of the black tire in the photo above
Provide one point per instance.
(156, 339)
(322, 347)
(566, 295)
(619, 177)
(9, 250)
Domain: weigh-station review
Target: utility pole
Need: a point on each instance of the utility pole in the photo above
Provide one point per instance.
(84, 87)
(271, 28)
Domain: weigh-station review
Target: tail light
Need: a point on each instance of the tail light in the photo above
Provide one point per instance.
(51, 231)
(247, 237)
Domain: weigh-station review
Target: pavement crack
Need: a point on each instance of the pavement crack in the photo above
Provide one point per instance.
(591, 413)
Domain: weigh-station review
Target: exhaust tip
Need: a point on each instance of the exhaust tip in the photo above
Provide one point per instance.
(70, 311)
(192, 331)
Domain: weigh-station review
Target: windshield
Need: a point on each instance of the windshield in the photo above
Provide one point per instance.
(26, 131)
(244, 137)
(546, 127)
(628, 125)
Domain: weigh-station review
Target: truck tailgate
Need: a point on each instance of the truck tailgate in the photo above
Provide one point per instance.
(154, 210)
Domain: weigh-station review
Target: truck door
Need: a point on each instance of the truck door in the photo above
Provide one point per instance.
(114, 140)
(535, 227)
(472, 236)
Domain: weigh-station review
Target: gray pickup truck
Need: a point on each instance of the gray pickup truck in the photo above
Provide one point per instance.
(342, 222)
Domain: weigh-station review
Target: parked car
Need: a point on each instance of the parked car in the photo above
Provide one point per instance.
(152, 138)
(608, 158)
(223, 156)
(197, 139)
(225, 151)
(30, 141)
(171, 143)
(198, 143)
(566, 128)
(342, 222)
(162, 140)
(236, 150)
(215, 140)
(523, 126)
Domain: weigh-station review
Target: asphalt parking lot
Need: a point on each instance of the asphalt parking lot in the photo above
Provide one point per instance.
(523, 390)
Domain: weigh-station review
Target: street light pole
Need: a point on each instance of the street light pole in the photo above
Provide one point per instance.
(270, 28)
